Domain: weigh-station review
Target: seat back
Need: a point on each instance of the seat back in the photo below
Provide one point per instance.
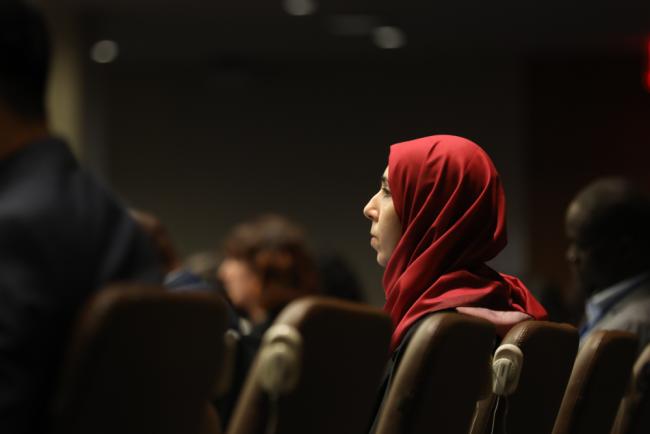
(600, 374)
(211, 423)
(444, 371)
(634, 413)
(141, 361)
(549, 350)
(343, 350)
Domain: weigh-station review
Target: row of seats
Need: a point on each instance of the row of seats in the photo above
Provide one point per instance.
(145, 361)
(141, 360)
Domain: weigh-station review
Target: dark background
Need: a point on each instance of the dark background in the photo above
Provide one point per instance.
(216, 111)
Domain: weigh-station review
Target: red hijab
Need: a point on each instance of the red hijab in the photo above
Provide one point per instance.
(450, 202)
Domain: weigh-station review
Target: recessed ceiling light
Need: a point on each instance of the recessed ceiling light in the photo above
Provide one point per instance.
(300, 7)
(105, 51)
(389, 37)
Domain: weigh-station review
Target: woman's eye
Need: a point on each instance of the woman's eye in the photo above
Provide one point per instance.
(385, 191)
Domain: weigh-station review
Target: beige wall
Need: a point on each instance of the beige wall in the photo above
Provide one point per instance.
(65, 96)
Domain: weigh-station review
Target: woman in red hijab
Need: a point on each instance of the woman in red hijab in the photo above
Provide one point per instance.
(438, 217)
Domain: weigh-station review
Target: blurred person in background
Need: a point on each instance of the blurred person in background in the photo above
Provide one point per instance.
(62, 235)
(608, 228)
(204, 263)
(178, 277)
(437, 218)
(162, 241)
(266, 265)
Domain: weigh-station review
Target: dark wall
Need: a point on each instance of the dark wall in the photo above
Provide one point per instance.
(205, 146)
(589, 116)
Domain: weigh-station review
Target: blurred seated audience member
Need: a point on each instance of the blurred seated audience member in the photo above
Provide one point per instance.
(158, 233)
(608, 228)
(338, 279)
(266, 265)
(181, 278)
(178, 277)
(63, 235)
(204, 264)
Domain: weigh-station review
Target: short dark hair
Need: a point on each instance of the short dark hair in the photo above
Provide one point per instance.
(24, 58)
(615, 207)
(275, 249)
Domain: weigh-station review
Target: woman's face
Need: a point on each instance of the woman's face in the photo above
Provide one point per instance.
(243, 286)
(386, 229)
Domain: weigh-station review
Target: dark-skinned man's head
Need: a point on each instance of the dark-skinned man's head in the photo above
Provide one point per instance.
(608, 228)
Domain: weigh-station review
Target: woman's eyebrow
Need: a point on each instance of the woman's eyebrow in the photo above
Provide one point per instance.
(384, 181)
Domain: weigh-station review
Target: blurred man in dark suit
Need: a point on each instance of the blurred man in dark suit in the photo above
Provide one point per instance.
(62, 236)
(608, 226)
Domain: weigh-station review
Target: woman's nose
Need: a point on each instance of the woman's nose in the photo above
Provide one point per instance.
(370, 211)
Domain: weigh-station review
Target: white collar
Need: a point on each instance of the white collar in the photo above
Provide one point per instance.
(602, 299)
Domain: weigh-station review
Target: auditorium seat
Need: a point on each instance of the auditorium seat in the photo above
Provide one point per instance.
(211, 423)
(444, 371)
(317, 371)
(600, 374)
(141, 360)
(634, 413)
(549, 350)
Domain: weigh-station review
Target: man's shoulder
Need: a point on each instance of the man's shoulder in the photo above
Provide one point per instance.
(46, 178)
(45, 195)
(32, 177)
(639, 299)
(633, 309)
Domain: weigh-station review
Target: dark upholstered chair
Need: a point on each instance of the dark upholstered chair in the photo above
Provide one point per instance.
(317, 371)
(600, 374)
(549, 350)
(141, 361)
(211, 423)
(444, 371)
(634, 412)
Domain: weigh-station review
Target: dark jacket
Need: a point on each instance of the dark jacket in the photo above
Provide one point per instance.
(62, 237)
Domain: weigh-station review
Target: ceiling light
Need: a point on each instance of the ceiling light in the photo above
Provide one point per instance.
(300, 7)
(105, 51)
(388, 37)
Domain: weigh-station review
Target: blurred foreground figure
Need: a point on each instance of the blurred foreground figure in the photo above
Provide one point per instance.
(608, 227)
(266, 265)
(62, 236)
